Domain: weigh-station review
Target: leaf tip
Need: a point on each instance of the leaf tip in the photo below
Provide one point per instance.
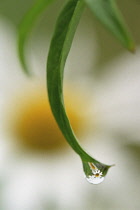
(22, 60)
(131, 47)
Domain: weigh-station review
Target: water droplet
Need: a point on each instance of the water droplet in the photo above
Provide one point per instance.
(96, 177)
(93, 174)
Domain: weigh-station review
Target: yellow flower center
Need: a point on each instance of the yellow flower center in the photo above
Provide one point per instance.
(33, 123)
(97, 175)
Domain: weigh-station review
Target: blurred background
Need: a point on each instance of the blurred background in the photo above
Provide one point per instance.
(38, 169)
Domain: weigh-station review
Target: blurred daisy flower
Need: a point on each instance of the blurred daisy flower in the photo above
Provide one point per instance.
(37, 170)
(34, 150)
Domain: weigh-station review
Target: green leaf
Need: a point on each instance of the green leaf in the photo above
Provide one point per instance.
(108, 14)
(60, 46)
(25, 27)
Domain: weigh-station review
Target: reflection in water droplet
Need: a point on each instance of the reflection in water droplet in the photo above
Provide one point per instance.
(94, 175)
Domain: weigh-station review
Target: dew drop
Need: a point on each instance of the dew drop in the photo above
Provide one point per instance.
(96, 177)
(93, 174)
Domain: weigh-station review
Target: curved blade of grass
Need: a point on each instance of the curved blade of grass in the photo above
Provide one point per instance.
(26, 26)
(108, 14)
(59, 49)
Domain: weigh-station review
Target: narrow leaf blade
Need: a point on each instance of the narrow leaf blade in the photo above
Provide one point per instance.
(60, 45)
(59, 49)
(109, 15)
(25, 27)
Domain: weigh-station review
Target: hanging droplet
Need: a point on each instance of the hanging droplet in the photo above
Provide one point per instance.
(96, 177)
(93, 174)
